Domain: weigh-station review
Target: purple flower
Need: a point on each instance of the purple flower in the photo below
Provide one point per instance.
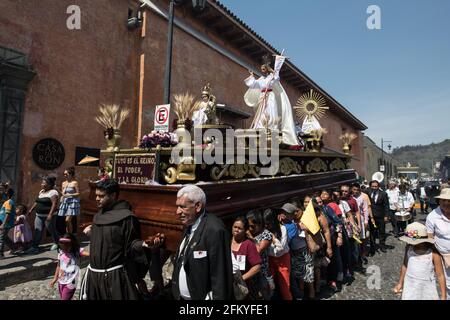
(154, 139)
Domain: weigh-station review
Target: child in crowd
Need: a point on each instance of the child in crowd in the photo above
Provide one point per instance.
(68, 269)
(421, 265)
(7, 218)
(22, 230)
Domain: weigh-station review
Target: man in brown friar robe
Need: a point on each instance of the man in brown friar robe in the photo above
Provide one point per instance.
(116, 251)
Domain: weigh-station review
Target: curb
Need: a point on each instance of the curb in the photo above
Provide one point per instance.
(23, 268)
(31, 272)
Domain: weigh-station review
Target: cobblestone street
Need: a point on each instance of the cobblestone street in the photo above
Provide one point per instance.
(33, 290)
(37, 290)
(387, 265)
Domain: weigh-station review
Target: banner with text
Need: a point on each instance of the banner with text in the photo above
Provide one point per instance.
(135, 169)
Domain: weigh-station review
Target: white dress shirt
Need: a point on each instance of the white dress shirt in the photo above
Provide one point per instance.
(405, 201)
(184, 290)
(393, 198)
(439, 225)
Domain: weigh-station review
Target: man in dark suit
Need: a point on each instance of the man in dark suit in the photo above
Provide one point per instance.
(380, 210)
(203, 267)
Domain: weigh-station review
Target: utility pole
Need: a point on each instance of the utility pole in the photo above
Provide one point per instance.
(382, 150)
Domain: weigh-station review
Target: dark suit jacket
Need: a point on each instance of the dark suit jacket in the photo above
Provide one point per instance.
(212, 272)
(380, 208)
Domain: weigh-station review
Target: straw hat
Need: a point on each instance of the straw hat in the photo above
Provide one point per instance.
(416, 233)
(88, 159)
(445, 194)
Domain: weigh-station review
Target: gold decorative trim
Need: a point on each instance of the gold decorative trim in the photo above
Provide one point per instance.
(288, 165)
(311, 104)
(254, 170)
(185, 171)
(171, 176)
(337, 164)
(217, 173)
(316, 165)
(235, 171)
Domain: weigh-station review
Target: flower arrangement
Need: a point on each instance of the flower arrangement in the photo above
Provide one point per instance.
(155, 138)
(112, 117)
(318, 133)
(347, 138)
(185, 106)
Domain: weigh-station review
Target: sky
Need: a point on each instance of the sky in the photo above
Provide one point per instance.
(396, 80)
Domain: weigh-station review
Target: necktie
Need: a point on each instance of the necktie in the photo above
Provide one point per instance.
(185, 243)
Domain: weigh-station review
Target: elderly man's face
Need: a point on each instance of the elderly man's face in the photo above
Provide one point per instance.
(445, 206)
(345, 192)
(187, 210)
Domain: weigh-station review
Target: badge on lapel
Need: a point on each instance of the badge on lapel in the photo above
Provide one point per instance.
(200, 254)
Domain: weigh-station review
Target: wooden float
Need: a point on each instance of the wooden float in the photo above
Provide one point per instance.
(230, 190)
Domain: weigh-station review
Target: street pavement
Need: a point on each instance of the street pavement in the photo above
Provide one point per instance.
(382, 272)
(381, 276)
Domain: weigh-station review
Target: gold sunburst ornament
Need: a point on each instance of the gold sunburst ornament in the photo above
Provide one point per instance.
(309, 105)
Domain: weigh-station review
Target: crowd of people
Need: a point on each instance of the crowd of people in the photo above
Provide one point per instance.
(267, 253)
(55, 210)
(275, 256)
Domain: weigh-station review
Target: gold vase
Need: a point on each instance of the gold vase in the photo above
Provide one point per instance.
(113, 144)
(184, 137)
(346, 148)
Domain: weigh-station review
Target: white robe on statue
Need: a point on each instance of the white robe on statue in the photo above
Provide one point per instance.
(267, 94)
(309, 124)
(199, 117)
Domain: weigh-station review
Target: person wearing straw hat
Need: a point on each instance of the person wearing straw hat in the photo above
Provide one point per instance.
(421, 266)
(438, 228)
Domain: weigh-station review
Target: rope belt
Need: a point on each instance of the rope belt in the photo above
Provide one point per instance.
(266, 90)
(104, 270)
(83, 290)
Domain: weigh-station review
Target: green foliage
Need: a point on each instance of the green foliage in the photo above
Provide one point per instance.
(422, 155)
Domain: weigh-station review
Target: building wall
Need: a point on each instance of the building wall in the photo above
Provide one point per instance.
(78, 70)
(336, 127)
(373, 159)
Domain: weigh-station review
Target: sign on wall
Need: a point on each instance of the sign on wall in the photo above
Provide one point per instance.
(162, 115)
(48, 154)
(134, 169)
